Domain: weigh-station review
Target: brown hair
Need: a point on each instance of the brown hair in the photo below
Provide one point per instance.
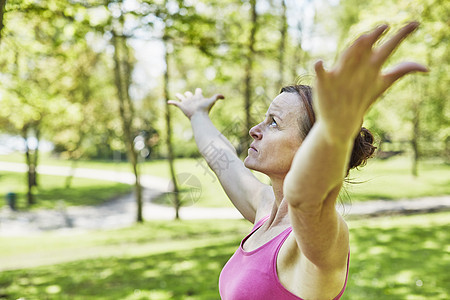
(363, 147)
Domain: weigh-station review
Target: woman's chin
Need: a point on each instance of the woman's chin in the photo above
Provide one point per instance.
(250, 164)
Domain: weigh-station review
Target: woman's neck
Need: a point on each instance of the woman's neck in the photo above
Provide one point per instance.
(277, 185)
(280, 209)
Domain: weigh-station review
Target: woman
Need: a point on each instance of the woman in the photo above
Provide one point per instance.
(299, 246)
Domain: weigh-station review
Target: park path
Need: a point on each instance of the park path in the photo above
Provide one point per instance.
(121, 212)
(149, 182)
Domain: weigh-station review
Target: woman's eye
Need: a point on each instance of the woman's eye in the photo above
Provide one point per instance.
(273, 123)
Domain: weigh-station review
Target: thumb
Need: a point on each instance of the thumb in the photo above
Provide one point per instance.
(173, 102)
(214, 98)
(401, 70)
(218, 96)
(318, 67)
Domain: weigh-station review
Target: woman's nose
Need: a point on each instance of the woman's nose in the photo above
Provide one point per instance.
(255, 132)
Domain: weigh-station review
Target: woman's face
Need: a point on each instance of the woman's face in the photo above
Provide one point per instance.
(277, 138)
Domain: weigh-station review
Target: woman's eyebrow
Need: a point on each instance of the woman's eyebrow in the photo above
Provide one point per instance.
(273, 115)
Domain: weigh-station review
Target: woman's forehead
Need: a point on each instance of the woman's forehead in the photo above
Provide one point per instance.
(284, 103)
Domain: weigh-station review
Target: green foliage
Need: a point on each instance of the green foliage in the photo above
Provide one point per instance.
(64, 50)
(57, 63)
(57, 83)
(417, 108)
(221, 69)
(383, 263)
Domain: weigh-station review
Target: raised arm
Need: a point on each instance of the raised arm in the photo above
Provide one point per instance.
(342, 97)
(242, 187)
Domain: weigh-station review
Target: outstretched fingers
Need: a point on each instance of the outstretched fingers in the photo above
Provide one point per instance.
(385, 50)
(377, 33)
(401, 70)
(189, 99)
(360, 49)
(370, 38)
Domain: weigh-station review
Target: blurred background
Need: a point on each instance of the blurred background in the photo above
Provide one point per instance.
(95, 166)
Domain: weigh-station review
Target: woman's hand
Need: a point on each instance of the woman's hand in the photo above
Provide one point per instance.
(344, 94)
(191, 104)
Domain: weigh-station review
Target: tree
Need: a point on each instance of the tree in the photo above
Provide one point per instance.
(2, 10)
(282, 46)
(250, 56)
(27, 84)
(177, 35)
(169, 143)
(51, 85)
(74, 58)
(182, 28)
(122, 77)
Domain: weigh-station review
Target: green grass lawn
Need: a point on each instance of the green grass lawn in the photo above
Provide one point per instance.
(381, 179)
(400, 258)
(391, 258)
(52, 191)
(392, 179)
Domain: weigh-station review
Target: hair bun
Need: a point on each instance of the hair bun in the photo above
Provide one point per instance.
(363, 149)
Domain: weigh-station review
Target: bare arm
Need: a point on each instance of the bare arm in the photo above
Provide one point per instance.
(343, 95)
(242, 187)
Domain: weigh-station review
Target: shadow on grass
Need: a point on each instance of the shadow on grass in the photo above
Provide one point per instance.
(388, 261)
(173, 275)
(400, 263)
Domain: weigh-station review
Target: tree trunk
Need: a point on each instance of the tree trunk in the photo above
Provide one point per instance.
(248, 78)
(297, 56)
(121, 74)
(134, 155)
(74, 160)
(138, 187)
(69, 178)
(282, 46)
(36, 156)
(72, 154)
(2, 11)
(30, 179)
(415, 140)
(170, 156)
(31, 168)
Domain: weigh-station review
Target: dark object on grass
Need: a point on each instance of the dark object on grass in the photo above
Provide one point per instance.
(11, 200)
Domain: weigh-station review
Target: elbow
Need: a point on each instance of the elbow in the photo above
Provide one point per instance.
(293, 192)
(307, 195)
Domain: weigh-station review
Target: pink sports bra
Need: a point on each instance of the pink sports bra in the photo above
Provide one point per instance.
(253, 275)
